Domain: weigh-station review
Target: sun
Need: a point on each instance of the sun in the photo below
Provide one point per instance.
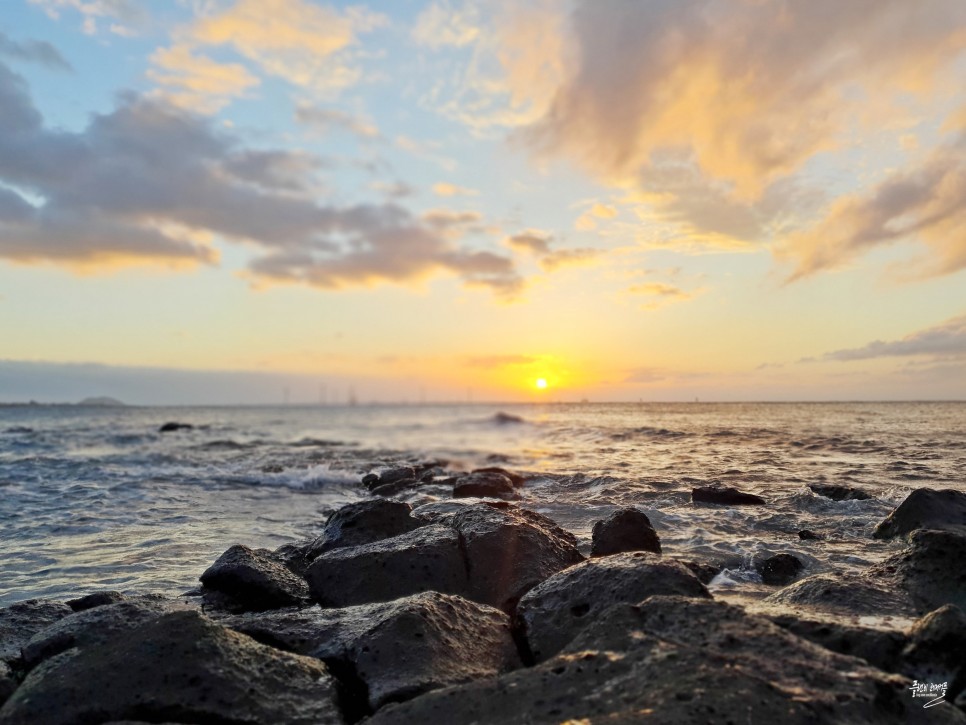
(541, 383)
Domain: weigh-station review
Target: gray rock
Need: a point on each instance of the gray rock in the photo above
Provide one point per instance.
(97, 599)
(626, 529)
(426, 559)
(515, 478)
(932, 569)
(391, 489)
(845, 595)
(8, 683)
(839, 493)
(391, 475)
(397, 649)
(680, 660)
(174, 426)
(485, 484)
(19, 622)
(780, 569)
(252, 581)
(557, 610)
(92, 627)
(181, 667)
(881, 648)
(727, 495)
(362, 523)
(925, 508)
(509, 550)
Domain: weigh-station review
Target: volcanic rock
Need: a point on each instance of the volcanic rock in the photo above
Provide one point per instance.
(727, 495)
(780, 569)
(626, 529)
(252, 581)
(839, 493)
(485, 484)
(925, 508)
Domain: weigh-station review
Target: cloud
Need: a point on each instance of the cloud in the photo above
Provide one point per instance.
(196, 82)
(33, 51)
(588, 220)
(330, 119)
(535, 242)
(540, 244)
(441, 25)
(499, 361)
(129, 12)
(661, 294)
(393, 189)
(947, 339)
(444, 189)
(149, 182)
(569, 257)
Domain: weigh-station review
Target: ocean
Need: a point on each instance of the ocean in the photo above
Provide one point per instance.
(97, 498)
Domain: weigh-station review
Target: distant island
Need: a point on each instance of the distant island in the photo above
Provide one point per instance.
(101, 401)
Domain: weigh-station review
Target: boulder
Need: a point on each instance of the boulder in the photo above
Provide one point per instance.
(839, 493)
(509, 550)
(484, 485)
(932, 569)
(391, 489)
(626, 529)
(557, 610)
(362, 523)
(396, 650)
(252, 581)
(97, 599)
(8, 683)
(90, 628)
(181, 667)
(173, 426)
(844, 595)
(391, 475)
(881, 648)
(426, 559)
(515, 478)
(679, 660)
(19, 622)
(925, 508)
(936, 651)
(780, 569)
(806, 535)
(727, 495)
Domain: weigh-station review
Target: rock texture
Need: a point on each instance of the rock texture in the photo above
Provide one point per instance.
(485, 484)
(97, 599)
(932, 569)
(726, 495)
(680, 660)
(363, 523)
(926, 508)
(780, 569)
(19, 622)
(252, 581)
(848, 595)
(181, 667)
(626, 529)
(557, 610)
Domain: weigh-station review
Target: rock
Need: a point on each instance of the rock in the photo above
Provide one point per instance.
(780, 569)
(426, 559)
(172, 427)
(936, 651)
(19, 622)
(806, 535)
(392, 475)
(839, 493)
(626, 529)
(8, 683)
(253, 581)
(679, 660)
(925, 508)
(727, 495)
(704, 572)
(97, 599)
(515, 478)
(509, 550)
(484, 485)
(845, 595)
(391, 489)
(180, 667)
(397, 649)
(555, 611)
(932, 569)
(362, 523)
(90, 628)
(879, 647)
(507, 419)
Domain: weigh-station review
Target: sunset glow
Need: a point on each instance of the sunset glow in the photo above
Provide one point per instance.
(541, 383)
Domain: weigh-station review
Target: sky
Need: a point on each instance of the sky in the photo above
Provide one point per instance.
(254, 201)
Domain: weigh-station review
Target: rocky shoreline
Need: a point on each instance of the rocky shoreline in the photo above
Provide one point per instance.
(475, 609)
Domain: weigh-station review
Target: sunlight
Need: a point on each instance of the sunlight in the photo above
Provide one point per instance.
(541, 383)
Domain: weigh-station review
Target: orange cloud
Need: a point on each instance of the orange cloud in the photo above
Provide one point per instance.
(196, 82)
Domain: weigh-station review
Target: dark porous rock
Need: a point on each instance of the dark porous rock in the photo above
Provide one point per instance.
(881, 648)
(8, 683)
(391, 489)
(19, 622)
(392, 475)
(555, 611)
(932, 569)
(839, 493)
(484, 485)
(509, 550)
(515, 478)
(92, 627)
(252, 581)
(936, 651)
(849, 595)
(362, 523)
(426, 559)
(727, 495)
(806, 535)
(395, 650)
(172, 427)
(181, 667)
(370, 479)
(97, 599)
(925, 508)
(780, 569)
(679, 660)
(626, 529)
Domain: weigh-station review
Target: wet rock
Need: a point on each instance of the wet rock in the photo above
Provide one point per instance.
(8, 683)
(173, 426)
(397, 649)
(97, 599)
(936, 651)
(780, 569)
(515, 478)
(806, 535)
(391, 489)
(19, 622)
(879, 647)
(251, 581)
(925, 508)
(90, 628)
(839, 493)
(626, 529)
(557, 610)
(392, 475)
(509, 550)
(484, 485)
(704, 572)
(679, 660)
(932, 569)
(181, 667)
(846, 595)
(362, 523)
(426, 559)
(727, 495)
